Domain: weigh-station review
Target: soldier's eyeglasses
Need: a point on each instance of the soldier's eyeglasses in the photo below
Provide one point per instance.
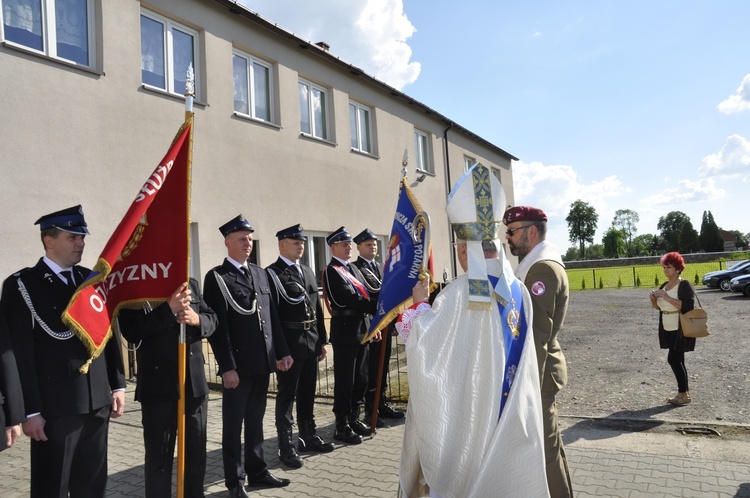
(509, 232)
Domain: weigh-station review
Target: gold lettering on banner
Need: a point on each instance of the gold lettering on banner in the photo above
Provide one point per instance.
(135, 238)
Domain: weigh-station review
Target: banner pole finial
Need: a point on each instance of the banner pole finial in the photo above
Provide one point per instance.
(189, 89)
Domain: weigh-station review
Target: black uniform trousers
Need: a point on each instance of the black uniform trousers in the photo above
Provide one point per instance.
(159, 419)
(350, 369)
(70, 458)
(297, 382)
(245, 402)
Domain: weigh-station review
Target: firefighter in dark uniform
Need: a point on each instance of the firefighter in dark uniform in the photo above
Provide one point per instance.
(67, 411)
(351, 306)
(372, 271)
(294, 289)
(156, 332)
(249, 345)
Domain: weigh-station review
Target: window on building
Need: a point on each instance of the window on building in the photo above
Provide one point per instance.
(468, 162)
(63, 29)
(313, 110)
(167, 50)
(317, 254)
(253, 86)
(496, 172)
(422, 149)
(360, 124)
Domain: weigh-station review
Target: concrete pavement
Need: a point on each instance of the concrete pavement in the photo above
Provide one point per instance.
(606, 458)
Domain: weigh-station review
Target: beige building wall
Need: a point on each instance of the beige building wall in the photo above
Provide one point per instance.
(70, 135)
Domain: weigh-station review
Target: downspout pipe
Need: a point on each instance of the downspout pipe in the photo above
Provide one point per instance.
(448, 184)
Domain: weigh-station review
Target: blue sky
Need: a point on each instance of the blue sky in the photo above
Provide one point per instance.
(637, 105)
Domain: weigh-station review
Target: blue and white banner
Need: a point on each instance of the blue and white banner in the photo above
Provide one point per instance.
(403, 262)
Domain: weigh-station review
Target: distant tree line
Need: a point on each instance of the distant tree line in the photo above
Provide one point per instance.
(676, 233)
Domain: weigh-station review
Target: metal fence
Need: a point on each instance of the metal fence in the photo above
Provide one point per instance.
(636, 276)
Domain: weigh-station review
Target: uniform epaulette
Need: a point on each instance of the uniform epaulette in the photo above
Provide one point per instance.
(23, 271)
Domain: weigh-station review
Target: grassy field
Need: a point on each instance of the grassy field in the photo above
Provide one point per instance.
(648, 276)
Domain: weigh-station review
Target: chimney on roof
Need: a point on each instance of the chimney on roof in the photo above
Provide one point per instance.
(323, 45)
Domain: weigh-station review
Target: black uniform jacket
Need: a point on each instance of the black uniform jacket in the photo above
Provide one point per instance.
(48, 367)
(248, 343)
(156, 337)
(11, 395)
(373, 277)
(303, 322)
(350, 311)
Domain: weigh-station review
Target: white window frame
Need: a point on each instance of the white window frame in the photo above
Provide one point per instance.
(326, 122)
(310, 255)
(49, 33)
(251, 61)
(422, 151)
(168, 25)
(468, 162)
(355, 129)
(496, 172)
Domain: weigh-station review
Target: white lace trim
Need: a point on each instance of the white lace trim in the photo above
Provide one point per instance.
(406, 320)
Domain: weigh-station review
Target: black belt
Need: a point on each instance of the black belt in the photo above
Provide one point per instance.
(345, 313)
(306, 325)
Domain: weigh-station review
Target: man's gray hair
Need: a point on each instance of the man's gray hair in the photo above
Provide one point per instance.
(490, 248)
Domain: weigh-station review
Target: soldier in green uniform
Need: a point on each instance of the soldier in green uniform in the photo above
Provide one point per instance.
(543, 273)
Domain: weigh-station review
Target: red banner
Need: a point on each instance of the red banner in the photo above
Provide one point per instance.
(146, 257)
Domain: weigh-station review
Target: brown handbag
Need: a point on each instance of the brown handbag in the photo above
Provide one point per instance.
(695, 322)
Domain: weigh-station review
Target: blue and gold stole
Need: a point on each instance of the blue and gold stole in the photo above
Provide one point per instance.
(513, 319)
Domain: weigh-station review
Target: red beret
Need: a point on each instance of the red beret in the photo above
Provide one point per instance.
(523, 213)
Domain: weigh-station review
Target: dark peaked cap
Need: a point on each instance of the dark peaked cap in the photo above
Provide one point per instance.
(340, 235)
(235, 225)
(68, 220)
(364, 235)
(293, 232)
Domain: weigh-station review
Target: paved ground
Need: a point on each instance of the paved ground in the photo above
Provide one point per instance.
(634, 459)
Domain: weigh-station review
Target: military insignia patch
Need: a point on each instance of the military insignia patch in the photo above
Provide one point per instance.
(538, 288)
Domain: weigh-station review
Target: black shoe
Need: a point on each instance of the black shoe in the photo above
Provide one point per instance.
(314, 443)
(359, 427)
(268, 480)
(238, 492)
(387, 411)
(346, 435)
(290, 458)
(379, 423)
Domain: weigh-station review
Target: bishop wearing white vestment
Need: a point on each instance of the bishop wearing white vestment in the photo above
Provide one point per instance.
(474, 422)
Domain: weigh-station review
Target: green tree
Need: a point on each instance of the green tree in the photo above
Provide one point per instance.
(582, 220)
(710, 238)
(670, 226)
(595, 251)
(571, 254)
(741, 239)
(614, 243)
(645, 245)
(626, 220)
(688, 238)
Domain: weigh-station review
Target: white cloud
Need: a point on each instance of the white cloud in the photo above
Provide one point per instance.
(686, 191)
(740, 101)
(555, 187)
(732, 161)
(370, 34)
